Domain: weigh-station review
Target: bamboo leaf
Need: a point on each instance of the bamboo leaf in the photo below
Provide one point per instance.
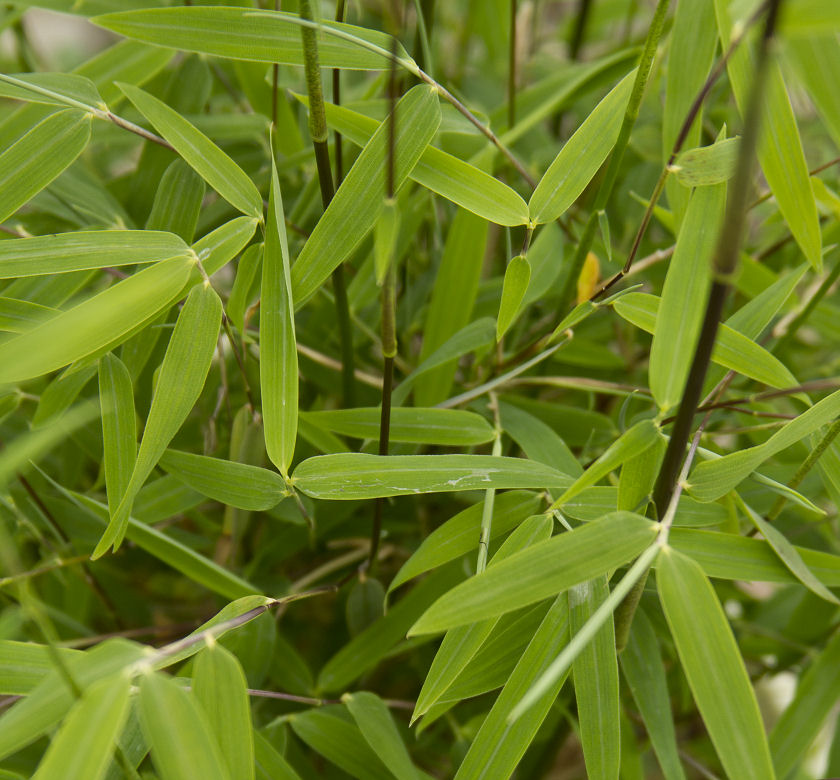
(31, 162)
(119, 427)
(460, 534)
(630, 444)
(220, 687)
(706, 165)
(732, 350)
(235, 484)
(179, 385)
(386, 231)
(538, 440)
(199, 152)
(541, 571)
(83, 745)
(24, 664)
(683, 302)
(451, 427)
(270, 764)
(500, 744)
(517, 276)
(100, 321)
(779, 147)
(181, 740)
(246, 34)
(357, 475)
(357, 203)
(278, 347)
(714, 667)
(582, 155)
(809, 18)
(78, 88)
(715, 478)
(641, 663)
(225, 242)
(64, 252)
(379, 730)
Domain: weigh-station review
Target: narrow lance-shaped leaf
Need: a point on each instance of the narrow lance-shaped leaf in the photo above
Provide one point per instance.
(357, 203)
(65, 85)
(246, 34)
(581, 157)
(119, 427)
(517, 276)
(379, 730)
(220, 687)
(30, 163)
(198, 151)
(714, 667)
(102, 320)
(179, 385)
(82, 748)
(541, 571)
(278, 347)
(684, 294)
(65, 252)
(715, 478)
(707, 165)
(180, 738)
(358, 475)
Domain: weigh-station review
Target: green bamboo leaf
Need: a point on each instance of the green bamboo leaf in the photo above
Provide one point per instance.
(64, 252)
(60, 394)
(443, 173)
(470, 338)
(809, 18)
(128, 61)
(630, 444)
(379, 730)
(453, 297)
(517, 276)
(31, 162)
(246, 34)
(270, 765)
(581, 156)
(181, 380)
(451, 427)
(459, 535)
(220, 687)
(100, 321)
(33, 716)
(243, 292)
(181, 739)
(715, 478)
(683, 302)
(367, 649)
(119, 427)
(330, 732)
(789, 556)
(83, 745)
(817, 64)
(730, 557)
(733, 350)
(385, 234)
(357, 203)
(779, 147)
(541, 571)
(595, 676)
(357, 475)
(199, 152)
(278, 347)
(816, 696)
(500, 744)
(177, 201)
(714, 667)
(706, 165)
(538, 440)
(78, 88)
(460, 645)
(18, 316)
(24, 664)
(644, 671)
(235, 484)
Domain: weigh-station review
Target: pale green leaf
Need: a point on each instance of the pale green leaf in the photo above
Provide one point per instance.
(706, 165)
(199, 152)
(517, 276)
(270, 765)
(541, 571)
(70, 85)
(357, 203)
(809, 18)
(220, 687)
(119, 427)
(24, 664)
(385, 234)
(358, 475)
(182, 375)
(714, 667)
(581, 156)
(278, 347)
